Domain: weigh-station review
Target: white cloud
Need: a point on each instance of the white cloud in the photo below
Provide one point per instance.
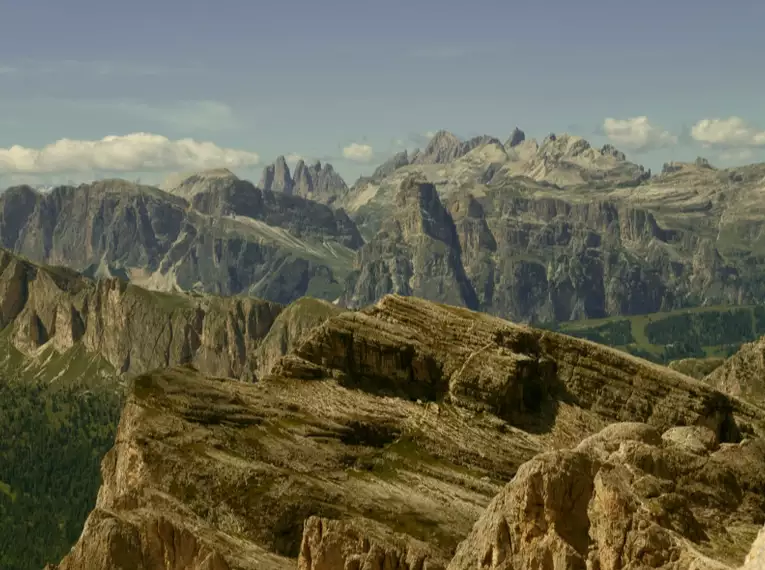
(732, 132)
(136, 152)
(358, 152)
(7, 69)
(637, 133)
(292, 158)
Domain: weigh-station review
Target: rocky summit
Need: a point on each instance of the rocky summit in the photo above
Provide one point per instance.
(414, 435)
(316, 182)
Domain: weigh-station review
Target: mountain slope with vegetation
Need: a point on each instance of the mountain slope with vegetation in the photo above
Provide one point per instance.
(52, 444)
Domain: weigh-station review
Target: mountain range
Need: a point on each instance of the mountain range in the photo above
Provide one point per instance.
(534, 232)
(315, 374)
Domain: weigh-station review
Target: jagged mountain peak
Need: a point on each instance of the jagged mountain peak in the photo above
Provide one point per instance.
(277, 177)
(445, 147)
(318, 182)
(611, 150)
(443, 136)
(516, 138)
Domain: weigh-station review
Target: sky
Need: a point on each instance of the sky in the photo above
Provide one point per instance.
(143, 88)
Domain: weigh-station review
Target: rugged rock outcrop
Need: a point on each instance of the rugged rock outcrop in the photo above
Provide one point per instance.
(329, 544)
(743, 374)
(444, 147)
(392, 164)
(628, 497)
(319, 183)
(188, 186)
(756, 557)
(290, 329)
(416, 252)
(131, 329)
(225, 236)
(402, 422)
(516, 138)
(277, 177)
(697, 367)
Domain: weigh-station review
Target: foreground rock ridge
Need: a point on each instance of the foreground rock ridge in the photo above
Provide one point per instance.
(414, 435)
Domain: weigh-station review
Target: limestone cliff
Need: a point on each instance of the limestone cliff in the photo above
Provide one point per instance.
(402, 422)
(317, 182)
(416, 252)
(131, 329)
(290, 329)
(277, 177)
(212, 233)
(562, 231)
(628, 497)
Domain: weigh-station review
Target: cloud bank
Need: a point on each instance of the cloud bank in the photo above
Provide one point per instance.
(637, 133)
(358, 152)
(136, 152)
(732, 132)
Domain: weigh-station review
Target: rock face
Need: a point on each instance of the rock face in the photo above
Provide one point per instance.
(316, 182)
(392, 164)
(290, 329)
(698, 367)
(329, 544)
(381, 439)
(537, 259)
(224, 236)
(516, 138)
(445, 147)
(756, 557)
(415, 253)
(277, 177)
(133, 330)
(743, 374)
(627, 497)
(562, 231)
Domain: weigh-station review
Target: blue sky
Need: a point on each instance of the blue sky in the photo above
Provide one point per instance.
(311, 78)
